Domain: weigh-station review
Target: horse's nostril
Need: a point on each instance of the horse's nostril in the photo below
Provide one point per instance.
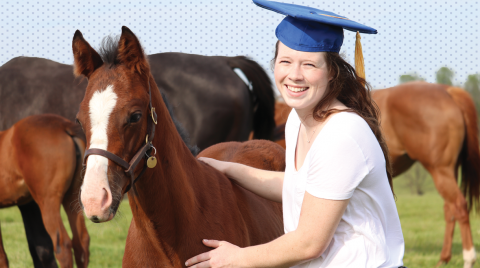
(95, 219)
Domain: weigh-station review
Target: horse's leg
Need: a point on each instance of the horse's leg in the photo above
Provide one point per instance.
(3, 255)
(446, 254)
(39, 241)
(80, 238)
(71, 205)
(455, 208)
(62, 244)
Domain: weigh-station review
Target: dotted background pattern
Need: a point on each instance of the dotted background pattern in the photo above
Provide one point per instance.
(413, 36)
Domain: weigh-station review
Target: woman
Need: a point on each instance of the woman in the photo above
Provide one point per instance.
(336, 191)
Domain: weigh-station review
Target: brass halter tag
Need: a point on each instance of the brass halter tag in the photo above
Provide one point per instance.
(152, 162)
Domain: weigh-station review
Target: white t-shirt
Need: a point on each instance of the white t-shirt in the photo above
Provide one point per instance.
(345, 161)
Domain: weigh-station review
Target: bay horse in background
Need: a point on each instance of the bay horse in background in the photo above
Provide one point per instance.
(41, 164)
(435, 125)
(175, 203)
(208, 98)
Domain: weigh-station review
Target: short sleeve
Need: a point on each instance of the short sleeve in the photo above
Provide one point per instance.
(337, 166)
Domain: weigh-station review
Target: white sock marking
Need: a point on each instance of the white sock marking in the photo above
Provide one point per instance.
(469, 257)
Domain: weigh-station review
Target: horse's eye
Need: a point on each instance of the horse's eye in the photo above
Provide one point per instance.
(134, 118)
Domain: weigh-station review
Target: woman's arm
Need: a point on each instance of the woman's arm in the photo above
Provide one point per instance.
(319, 219)
(265, 183)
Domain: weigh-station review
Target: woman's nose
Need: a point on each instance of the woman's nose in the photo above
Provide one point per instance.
(295, 74)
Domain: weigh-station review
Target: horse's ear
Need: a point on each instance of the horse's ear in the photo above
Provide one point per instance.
(130, 53)
(86, 59)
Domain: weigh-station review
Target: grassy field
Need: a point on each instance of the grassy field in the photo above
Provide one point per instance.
(421, 217)
(107, 240)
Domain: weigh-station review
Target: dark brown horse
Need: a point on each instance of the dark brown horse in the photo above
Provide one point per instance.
(176, 202)
(435, 125)
(209, 99)
(41, 162)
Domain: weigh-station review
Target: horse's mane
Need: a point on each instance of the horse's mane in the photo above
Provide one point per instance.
(183, 133)
(108, 51)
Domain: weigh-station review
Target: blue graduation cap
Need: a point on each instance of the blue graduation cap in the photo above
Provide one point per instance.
(314, 30)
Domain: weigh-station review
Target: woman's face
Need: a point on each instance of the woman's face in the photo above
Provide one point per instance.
(301, 77)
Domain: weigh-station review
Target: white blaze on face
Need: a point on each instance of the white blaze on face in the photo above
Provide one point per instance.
(94, 197)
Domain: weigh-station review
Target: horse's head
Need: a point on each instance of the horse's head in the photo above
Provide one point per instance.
(114, 115)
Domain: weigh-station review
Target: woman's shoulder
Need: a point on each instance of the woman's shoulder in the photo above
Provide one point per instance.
(348, 129)
(348, 124)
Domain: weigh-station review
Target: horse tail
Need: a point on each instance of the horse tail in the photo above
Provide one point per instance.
(75, 131)
(264, 96)
(470, 155)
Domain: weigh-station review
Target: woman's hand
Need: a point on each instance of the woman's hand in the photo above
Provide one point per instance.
(218, 165)
(224, 255)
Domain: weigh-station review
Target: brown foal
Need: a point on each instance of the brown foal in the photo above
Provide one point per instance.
(437, 126)
(175, 203)
(41, 161)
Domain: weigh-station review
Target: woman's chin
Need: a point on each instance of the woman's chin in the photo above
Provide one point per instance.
(297, 104)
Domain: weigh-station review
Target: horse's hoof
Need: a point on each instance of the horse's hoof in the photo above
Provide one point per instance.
(440, 264)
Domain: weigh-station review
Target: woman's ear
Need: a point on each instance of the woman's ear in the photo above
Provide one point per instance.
(330, 76)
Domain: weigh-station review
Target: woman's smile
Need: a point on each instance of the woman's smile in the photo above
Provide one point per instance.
(296, 91)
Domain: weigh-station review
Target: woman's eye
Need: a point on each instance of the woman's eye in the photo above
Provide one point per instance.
(134, 118)
(284, 61)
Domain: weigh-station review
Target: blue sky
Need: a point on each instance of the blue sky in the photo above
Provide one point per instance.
(413, 36)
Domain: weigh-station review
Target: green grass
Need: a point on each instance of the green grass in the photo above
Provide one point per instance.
(107, 240)
(423, 226)
(421, 218)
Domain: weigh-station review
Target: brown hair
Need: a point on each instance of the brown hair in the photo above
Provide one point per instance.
(354, 92)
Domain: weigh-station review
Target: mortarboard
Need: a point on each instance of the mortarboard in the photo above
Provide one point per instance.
(314, 30)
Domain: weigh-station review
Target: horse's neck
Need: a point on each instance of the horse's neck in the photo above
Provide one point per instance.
(163, 196)
(2, 135)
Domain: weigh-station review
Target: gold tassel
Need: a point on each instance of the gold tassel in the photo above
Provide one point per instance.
(359, 65)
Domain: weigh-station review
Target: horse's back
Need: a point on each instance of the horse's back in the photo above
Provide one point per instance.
(414, 98)
(262, 217)
(44, 152)
(212, 91)
(260, 154)
(415, 116)
(30, 86)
